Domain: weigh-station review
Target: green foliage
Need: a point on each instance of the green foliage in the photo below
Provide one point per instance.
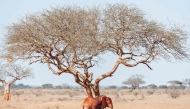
(135, 94)
(175, 82)
(131, 90)
(150, 92)
(18, 93)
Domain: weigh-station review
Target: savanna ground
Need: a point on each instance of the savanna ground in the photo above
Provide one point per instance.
(73, 98)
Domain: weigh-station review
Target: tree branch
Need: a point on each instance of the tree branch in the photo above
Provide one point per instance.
(141, 61)
(108, 73)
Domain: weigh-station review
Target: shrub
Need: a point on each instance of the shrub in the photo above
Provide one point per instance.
(174, 93)
(135, 94)
(150, 92)
(18, 93)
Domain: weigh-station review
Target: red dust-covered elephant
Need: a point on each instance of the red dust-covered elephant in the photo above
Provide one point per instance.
(91, 103)
(99, 102)
(105, 102)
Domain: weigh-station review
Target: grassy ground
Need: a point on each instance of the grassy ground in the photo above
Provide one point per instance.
(72, 99)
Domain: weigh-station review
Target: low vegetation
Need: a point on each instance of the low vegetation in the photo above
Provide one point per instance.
(72, 98)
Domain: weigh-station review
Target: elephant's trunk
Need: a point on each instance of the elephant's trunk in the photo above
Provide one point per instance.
(110, 106)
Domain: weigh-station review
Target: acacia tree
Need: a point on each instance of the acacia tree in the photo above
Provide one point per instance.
(175, 82)
(134, 81)
(9, 73)
(71, 39)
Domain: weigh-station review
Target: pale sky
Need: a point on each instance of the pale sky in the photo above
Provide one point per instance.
(163, 11)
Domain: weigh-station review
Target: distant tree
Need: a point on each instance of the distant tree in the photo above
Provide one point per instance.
(134, 81)
(175, 83)
(20, 86)
(9, 73)
(47, 86)
(152, 86)
(58, 87)
(186, 82)
(162, 86)
(112, 87)
(181, 87)
(144, 87)
(65, 86)
(124, 87)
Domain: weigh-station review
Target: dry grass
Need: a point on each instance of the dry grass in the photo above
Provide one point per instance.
(72, 99)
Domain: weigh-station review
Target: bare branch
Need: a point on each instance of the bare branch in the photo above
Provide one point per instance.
(108, 74)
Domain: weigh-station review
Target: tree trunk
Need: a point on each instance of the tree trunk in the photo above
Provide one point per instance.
(96, 91)
(7, 92)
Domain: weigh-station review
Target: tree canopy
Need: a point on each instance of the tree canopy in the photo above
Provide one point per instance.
(71, 39)
(9, 73)
(175, 82)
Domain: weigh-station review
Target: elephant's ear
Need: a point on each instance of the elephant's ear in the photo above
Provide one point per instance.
(108, 100)
(103, 103)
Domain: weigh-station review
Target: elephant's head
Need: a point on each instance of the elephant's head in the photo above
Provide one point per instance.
(91, 103)
(105, 102)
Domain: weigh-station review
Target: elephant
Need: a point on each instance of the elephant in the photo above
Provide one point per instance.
(100, 102)
(91, 103)
(105, 102)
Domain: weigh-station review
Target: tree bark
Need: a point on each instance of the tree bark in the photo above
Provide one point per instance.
(108, 74)
(96, 90)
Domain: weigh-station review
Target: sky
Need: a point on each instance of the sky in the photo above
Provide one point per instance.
(163, 11)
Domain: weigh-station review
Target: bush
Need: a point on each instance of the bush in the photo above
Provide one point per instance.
(174, 93)
(150, 92)
(18, 93)
(135, 94)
